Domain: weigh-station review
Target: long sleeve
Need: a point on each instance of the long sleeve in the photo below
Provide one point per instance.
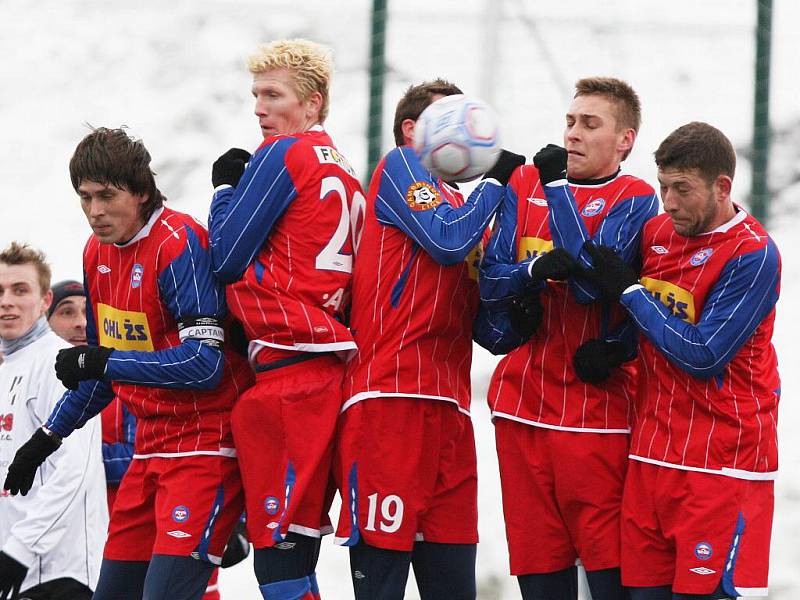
(61, 486)
(501, 276)
(410, 199)
(117, 456)
(241, 218)
(620, 230)
(492, 330)
(743, 296)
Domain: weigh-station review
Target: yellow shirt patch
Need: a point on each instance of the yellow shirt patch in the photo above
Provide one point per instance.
(677, 299)
(123, 329)
(532, 246)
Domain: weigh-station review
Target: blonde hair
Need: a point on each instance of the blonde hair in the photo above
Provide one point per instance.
(310, 64)
(23, 254)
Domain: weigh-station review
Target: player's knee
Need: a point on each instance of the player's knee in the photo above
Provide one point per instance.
(606, 584)
(558, 585)
(445, 570)
(176, 578)
(293, 558)
(378, 574)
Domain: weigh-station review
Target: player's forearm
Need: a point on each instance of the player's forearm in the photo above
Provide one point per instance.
(116, 460)
(500, 282)
(492, 330)
(76, 407)
(192, 365)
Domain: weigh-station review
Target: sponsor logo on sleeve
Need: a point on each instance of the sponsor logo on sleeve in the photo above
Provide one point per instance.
(677, 299)
(701, 256)
(136, 275)
(530, 247)
(594, 207)
(422, 195)
(123, 329)
(331, 156)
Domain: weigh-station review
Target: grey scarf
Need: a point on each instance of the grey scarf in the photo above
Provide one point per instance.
(40, 327)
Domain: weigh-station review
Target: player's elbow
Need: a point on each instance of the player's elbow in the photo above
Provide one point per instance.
(449, 256)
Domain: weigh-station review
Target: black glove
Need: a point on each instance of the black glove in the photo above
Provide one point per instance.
(552, 163)
(505, 166)
(558, 264)
(238, 547)
(12, 574)
(525, 314)
(27, 460)
(594, 360)
(228, 168)
(79, 363)
(236, 338)
(609, 272)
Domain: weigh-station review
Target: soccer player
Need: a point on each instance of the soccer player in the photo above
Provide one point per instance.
(698, 501)
(280, 230)
(406, 452)
(561, 401)
(50, 538)
(67, 318)
(155, 336)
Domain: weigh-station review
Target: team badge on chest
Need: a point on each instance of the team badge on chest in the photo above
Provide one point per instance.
(594, 207)
(421, 195)
(701, 256)
(136, 275)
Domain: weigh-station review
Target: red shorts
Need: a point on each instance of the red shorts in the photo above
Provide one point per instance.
(185, 506)
(408, 468)
(283, 428)
(562, 494)
(689, 530)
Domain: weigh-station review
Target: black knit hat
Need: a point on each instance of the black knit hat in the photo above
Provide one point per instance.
(64, 289)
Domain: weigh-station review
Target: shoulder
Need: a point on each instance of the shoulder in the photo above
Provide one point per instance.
(173, 231)
(633, 186)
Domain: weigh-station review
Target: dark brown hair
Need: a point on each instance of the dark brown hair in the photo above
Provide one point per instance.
(416, 99)
(112, 157)
(23, 254)
(699, 146)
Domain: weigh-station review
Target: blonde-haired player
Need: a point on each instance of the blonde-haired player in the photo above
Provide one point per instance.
(280, 238)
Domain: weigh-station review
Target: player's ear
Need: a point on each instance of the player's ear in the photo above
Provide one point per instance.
(314, 106)
(723, 185)
(627, 140)
(407, 127)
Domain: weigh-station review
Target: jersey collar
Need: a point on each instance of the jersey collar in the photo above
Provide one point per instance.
(144, 231)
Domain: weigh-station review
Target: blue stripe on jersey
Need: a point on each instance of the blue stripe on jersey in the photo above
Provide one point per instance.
(187, 289)
(501, 277)
(241, 218)
(398, 288)
(621, 230)
(744, 294)
(448, 234)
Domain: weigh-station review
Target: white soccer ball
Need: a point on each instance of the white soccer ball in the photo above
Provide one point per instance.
(457, 138)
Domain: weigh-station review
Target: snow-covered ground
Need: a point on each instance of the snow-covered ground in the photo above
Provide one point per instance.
(174, 73)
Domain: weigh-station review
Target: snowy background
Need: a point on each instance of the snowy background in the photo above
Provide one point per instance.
(174, 72)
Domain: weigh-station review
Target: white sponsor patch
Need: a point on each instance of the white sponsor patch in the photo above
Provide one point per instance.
(179, 534)
(331, 156)
(703, 571)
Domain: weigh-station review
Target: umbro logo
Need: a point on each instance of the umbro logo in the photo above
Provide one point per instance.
(285, 545)
(103, 269)
(358, 575)
(703, 571)
(538, 201)
(179, 534)
(659, 249)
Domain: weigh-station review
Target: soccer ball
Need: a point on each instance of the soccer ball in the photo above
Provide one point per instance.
(457, 138)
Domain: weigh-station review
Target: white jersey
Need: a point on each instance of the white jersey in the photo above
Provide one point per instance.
(59, 528)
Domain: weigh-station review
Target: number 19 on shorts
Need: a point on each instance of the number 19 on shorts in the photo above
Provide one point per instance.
(391, 517)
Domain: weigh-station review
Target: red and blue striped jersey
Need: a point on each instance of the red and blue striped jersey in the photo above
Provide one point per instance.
(415, 293)
(709, 387)
(536, 383)
(181, 392)
(283, 241)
